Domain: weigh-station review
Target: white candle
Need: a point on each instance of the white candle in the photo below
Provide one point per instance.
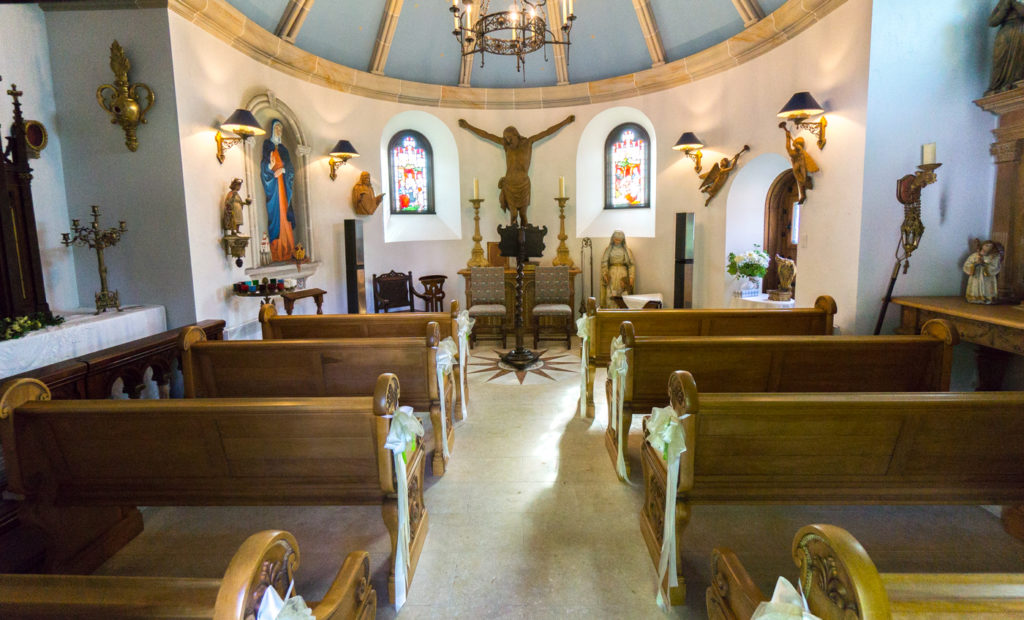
(928, 153)
(476, 188)
(561, 187)
(570, 7)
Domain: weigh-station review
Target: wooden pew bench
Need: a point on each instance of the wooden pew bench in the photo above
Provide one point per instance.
(385, 325)
(820, 448)
(920, 363)
(75, 461)
(322, 367)
(855, 588)
(603, 325)
(266, 559)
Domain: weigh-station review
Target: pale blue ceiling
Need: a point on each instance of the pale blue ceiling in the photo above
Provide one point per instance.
(607, 40)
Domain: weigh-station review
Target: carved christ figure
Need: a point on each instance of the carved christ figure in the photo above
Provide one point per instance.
(515, 185)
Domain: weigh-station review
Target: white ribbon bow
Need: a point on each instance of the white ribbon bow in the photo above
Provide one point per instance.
(446, 352)
(617, 373)
(583, 331)
(405, 428)
(465, 326)
(665, 435)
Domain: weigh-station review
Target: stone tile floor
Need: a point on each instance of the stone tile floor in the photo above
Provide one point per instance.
(531, 522)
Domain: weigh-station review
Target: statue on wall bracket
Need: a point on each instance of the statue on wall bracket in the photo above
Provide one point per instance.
(803, 164)
(364, 201)
(712, 181)
(515, 185)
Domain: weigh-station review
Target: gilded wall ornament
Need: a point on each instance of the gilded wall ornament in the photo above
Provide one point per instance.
(121, 99)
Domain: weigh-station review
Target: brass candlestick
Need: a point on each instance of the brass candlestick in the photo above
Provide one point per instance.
(562, 257)
(98, 240)
(477, 258)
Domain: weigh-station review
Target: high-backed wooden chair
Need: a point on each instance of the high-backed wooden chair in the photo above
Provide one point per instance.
(551, 298)
(394, 290)
(485, 299)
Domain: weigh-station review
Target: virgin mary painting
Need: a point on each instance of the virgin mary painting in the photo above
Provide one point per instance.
(278, 176)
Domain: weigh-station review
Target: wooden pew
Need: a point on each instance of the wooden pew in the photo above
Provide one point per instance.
(920, 363)
(604, 326)
(853, 587)
(322, 367)
(820, 448)
(384, 325)
(266, 559)
(75, 459)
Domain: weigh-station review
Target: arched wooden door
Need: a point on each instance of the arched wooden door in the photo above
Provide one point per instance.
(781, 225)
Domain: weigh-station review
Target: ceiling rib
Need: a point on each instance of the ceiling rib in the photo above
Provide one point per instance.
(649, 26)
(560, 52)
(385, 34)
(292, 19)
(750, 11)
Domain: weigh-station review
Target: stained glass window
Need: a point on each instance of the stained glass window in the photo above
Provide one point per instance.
(627, 157)
(411, 165)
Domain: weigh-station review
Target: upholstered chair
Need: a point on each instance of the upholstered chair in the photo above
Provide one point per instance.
(551, 299)
(486, 301)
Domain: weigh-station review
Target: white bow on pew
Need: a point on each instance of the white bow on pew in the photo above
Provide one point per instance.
(666, 436)
(465, 325)
(583, 331)
(405, 428)
(617, 373)
(446, 352)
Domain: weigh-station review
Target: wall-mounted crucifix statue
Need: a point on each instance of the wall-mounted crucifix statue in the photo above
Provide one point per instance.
(515, 185)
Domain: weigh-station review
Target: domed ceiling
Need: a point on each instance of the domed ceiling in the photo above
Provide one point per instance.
(609, 37)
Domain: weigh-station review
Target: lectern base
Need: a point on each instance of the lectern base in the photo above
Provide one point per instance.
(520, 358)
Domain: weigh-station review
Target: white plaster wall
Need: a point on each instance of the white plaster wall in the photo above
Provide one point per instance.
(26, 62)
(151, 263)
(726, 110)
(924, 75)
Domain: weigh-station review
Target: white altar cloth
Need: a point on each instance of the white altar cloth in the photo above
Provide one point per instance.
(761, 302)
(637, 302)
(81, 333)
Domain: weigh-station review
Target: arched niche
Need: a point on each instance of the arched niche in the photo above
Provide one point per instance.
(446, 221)
(266, 107)
(592, 219)
(745, 207)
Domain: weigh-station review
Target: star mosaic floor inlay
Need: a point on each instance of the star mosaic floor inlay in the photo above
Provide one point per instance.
(550, 366)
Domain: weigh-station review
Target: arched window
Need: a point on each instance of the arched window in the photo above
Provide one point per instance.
(411, 168)
(627, 168)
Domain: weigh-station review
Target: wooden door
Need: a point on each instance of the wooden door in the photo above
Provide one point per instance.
(781, 225)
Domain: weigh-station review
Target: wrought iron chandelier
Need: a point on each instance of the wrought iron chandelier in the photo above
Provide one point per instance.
(517, 31)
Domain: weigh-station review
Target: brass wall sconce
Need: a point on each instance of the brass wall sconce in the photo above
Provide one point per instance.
(242, 123)
(121, 99)
(340, 154)
(801, 107)
(690, 145)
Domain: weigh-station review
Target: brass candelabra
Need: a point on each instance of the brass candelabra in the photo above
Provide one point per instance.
(97, 239)
(477, 258)
(562, 257)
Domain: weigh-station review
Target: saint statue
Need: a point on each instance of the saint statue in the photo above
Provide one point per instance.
(711, 182)
(231, 221)
(982, 267)
(803, 164)
(278, 176)
(1008, 51)
(364, 202)
(618, 270)
(515, 185)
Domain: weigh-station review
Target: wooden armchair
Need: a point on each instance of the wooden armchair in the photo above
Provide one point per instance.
(394, 290)
(551, 300)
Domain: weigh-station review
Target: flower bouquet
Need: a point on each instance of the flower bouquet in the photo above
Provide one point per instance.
(752, 265)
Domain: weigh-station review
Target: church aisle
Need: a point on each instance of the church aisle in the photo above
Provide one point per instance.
(531, 522)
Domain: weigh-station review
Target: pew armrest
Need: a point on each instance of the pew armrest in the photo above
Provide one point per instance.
(351, 595)
(732, 595)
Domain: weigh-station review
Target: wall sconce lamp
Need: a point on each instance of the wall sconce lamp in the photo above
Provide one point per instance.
(340, 154)
(691, 146)
(799, 108)
(242, 123)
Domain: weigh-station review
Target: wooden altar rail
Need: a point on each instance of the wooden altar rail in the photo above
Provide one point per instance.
(236, 596)
(820, 448)
(603, 324)
(77, 462)
(853, 587)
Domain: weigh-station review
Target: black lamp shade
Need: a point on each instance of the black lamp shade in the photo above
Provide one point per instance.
(345, 149)
(242, 122)
(688, 142)
(801, 105)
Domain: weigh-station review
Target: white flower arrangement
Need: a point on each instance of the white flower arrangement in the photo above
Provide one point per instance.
(751, 264)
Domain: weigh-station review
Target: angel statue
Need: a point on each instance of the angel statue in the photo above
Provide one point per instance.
(231, 219)
(713, 180)
(803, 164)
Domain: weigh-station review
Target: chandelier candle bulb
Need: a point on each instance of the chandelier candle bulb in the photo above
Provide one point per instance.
(928, 153)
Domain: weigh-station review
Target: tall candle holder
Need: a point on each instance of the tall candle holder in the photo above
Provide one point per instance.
(562, 256)
(98, 240)
(477, 258)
